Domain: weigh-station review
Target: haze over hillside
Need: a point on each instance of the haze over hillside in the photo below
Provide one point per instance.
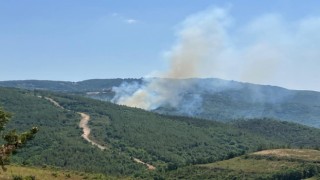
(213, 99)
(213, 89)
(166, 142)
(220, 39)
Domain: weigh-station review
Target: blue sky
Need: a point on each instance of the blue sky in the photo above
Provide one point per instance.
(79, 39)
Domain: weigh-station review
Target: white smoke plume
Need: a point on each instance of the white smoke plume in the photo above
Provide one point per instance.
(199, 36)
(268, 50)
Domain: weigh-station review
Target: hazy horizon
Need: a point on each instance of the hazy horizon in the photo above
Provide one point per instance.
(261, 42)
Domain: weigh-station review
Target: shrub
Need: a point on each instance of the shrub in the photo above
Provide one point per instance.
(30, 177)
(17, 177)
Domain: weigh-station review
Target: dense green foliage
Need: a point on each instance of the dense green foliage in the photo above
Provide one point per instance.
(59, 142)
(229, 100)
(221, 100)
(294, 135)
(173, 141)
(162, 139)
(297, 172)
(4, 118)
(167, 142)
(12, 139)
(252, 167)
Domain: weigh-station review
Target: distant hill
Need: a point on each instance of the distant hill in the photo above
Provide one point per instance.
(166, 142)
(219, 99)
(67, 86)
(229, 100)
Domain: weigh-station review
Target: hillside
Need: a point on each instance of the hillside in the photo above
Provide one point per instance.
(166, 142)
(293, 164)
(50, 173)
(59, 141)
(292, 133)
(267, 164)
(216, 99)
(229, 100)
(199, 139)
(67, 86)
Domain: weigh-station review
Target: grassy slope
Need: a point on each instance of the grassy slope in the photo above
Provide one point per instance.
(261, 165)
(48, 173)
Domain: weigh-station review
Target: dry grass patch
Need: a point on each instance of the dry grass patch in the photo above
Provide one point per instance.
(301, 154)
(252, 165)
(48, 174)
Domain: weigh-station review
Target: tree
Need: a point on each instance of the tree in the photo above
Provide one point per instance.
(12, 139)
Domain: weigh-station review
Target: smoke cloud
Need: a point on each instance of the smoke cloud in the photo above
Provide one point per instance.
(267, 50)
(199, 36)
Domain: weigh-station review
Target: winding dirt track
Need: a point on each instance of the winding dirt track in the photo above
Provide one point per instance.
(85, 118)
(53, 102)
(150, 167)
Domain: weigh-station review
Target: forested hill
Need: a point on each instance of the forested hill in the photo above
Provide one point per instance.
(217, 99)
(167, 142)
(67, 86)
(291, 164)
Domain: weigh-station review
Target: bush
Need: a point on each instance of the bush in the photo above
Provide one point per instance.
(54, 174)
(30, 177)
(290, 174)
(17, 177)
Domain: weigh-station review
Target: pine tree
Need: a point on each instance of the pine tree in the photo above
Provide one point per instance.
(12, 139)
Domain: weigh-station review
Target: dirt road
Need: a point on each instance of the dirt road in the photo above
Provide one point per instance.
(85, 118)
(54, 102)
(150, 167)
